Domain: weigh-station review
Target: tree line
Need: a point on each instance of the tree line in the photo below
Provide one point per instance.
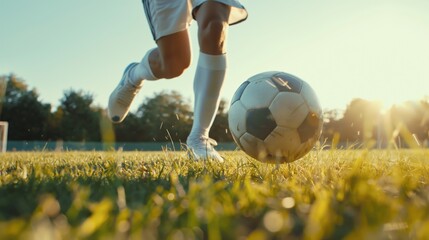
(368, 123)
(167, 116)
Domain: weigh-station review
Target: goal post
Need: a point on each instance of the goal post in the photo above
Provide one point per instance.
(3, 135)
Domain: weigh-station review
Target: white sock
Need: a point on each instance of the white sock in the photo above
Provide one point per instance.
(208, 82)
(142, 71)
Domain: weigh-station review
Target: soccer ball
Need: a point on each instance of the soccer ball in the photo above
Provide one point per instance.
(275, 117)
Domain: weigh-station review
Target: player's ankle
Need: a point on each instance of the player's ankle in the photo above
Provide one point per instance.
(134, 78)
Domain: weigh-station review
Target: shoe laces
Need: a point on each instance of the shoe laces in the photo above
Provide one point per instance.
(206, 143)
(209, 141)
(203, 148)
(126, 93)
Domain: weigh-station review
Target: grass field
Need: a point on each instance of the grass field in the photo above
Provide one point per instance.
(330, 194)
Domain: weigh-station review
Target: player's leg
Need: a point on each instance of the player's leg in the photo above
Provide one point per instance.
(168, 60)
(168, 21)
(213, 19)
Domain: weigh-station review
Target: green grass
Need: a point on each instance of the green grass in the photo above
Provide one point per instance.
(332, 194)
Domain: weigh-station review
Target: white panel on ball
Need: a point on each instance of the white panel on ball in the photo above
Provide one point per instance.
(304, 148)
(237, 121)
(311, 98)
(282, 141)
(258, 94)
(253, 146)
(289, 109)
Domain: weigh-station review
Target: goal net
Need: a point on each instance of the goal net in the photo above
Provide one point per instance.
(3, 136)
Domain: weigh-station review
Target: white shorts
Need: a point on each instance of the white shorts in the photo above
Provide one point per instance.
(166, 17)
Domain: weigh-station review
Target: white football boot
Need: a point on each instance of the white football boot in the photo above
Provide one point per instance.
(121, 98)
(202, 149)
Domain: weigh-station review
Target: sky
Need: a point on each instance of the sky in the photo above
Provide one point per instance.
(376, 50)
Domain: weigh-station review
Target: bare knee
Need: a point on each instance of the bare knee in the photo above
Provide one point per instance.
(173, 55)
(212, 35)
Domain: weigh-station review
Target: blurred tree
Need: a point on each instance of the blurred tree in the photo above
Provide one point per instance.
(331, 125)
(130, 130)
(28, 118)
(54, 130)
(411, 118)
(220, 129)
(425, 121)
(165, 117)
(78, 120)
(360, 122)
(13, 89)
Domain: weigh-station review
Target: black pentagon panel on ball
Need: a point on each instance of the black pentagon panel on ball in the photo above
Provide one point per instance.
(309, 127)
(287, 83)
(260, 122)
(239, 92)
